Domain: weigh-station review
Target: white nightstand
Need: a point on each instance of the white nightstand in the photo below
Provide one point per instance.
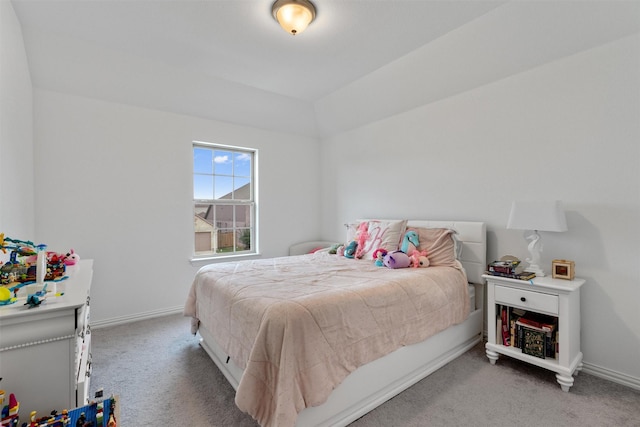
(553, 297)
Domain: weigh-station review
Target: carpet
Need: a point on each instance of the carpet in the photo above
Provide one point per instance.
(164, 378)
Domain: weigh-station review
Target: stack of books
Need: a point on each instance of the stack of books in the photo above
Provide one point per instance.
(509, 268)
(534, 333)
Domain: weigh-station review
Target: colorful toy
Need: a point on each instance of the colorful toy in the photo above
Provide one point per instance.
(397, 259)
(35, 299)
(333, 250)
(5, 296)
(350, 249)
(419, 259)
(363, 235)
(71, 258)
(378, 256)
(410, 242)
(10, 416)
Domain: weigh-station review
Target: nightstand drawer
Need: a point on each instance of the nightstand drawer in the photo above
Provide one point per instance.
(527, 299)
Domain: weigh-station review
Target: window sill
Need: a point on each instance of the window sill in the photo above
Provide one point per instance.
(200, 261)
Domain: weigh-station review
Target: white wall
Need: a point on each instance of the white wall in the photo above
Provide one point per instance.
(16, 137)
(115, 184)
(568, 130)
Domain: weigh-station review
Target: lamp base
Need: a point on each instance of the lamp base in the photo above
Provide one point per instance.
(534, 268)
(535, 247)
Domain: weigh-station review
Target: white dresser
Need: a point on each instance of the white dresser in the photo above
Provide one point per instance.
(45, 351)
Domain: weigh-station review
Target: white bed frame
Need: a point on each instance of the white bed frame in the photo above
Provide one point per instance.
(374, 383)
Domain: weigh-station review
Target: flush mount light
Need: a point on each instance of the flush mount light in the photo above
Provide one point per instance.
(293, 15)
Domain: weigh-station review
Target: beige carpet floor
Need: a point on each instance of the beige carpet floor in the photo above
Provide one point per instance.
(164, 378)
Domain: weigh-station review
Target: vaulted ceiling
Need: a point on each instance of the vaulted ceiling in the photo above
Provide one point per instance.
(360, 60)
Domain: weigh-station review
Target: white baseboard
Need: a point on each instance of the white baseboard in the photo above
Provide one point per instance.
(613, 376)
(135, 317)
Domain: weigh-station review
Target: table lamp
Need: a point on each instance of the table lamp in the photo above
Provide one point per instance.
(536, 216)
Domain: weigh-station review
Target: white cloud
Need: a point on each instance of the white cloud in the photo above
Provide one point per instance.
(221, 159)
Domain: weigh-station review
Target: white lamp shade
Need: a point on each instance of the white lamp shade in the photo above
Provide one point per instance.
(537, 215)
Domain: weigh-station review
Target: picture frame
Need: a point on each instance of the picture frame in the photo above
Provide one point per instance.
(563, 269)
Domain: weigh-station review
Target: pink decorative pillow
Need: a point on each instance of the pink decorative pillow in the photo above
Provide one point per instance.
(439, 244)
(385, 234)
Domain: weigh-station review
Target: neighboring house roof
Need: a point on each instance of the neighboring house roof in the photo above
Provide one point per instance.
(224, 213)
(241, 193)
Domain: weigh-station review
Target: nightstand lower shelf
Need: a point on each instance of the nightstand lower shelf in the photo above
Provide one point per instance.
(564, 375)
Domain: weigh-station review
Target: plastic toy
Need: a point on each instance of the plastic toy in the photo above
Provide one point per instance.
(5, 296)
(35, 299)
(397, 259)
(9, 415)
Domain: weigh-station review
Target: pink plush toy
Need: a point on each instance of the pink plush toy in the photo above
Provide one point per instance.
(363, 235)
(72, 258)
(419, 259)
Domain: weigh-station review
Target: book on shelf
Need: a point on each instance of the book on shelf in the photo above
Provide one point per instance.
(525, 275)
(544, 327)
(516, 313)
(534, 343)
(506, 337)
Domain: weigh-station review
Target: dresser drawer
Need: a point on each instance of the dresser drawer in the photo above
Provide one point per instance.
(528, 300)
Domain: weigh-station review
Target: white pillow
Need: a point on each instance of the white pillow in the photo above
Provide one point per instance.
(381, 234)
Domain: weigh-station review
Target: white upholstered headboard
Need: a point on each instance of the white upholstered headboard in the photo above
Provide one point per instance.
(473, 237)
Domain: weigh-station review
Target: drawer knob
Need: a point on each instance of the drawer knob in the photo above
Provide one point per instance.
(523, 299)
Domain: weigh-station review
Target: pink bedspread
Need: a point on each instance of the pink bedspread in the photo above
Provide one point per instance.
(299, 325)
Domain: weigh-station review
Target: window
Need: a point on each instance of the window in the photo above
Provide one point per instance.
(224, 204)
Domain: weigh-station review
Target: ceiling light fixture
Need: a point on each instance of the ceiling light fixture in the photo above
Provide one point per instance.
(293, 15)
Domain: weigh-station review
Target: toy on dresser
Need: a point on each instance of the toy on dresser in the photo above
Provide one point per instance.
(9, 417)
(28, 264)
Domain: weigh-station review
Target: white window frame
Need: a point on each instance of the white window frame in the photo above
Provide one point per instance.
(251, 202)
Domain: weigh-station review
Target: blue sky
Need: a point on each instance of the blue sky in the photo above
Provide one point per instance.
(217, 172)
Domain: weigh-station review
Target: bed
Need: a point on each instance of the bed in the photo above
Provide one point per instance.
(310, 382)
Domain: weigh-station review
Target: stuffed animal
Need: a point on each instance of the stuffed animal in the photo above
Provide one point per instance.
(72, 258)
(350, 249)
(397, 259)
(333, 250)
(419, 259)
(378, 257)
(363, 235)
(410, 242)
